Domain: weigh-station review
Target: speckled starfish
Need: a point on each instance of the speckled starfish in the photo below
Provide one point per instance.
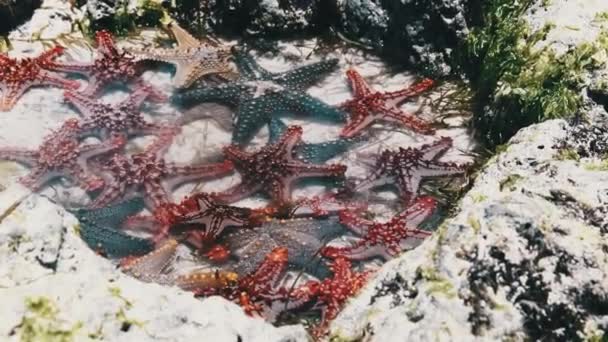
(260, 293)
(385, 240)
(407, 167)
(148, 172)
(303, 237)
(100, 229)
(110, 65)
(192, 58)
(124, 118)
(312, 153)
(260, 95)
(18, 75)
(273, 169)
(332, 293)
(369, 106)
(62, 155)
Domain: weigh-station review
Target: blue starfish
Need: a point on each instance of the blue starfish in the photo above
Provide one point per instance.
(302, 237)
(260, 95)
(99, 229)
(312, 153)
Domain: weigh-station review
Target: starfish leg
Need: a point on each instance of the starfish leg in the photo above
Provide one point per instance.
(355, 223)
(360, 251)
(156, 194)
(306, 75)
(29, 158)
(237, 192)
(313, 170)
(111, 192)
(83, 102)
(37, 178)
(48, 78)
(358, 121)
(408, 185)
(416, 89)
(249, 67)
(254, 115)
(11, 94)
(358, 84)
(407, 120)
(185, 174)
(436, 148)
(305, 104)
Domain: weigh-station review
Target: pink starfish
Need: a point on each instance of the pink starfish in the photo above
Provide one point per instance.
(369, 106)
(147, 171)
(61, 154)
(388, 239)
(332, 293)
(125, 118)
(111, 65)
(17, 76)
(273, 169)
(409, 166)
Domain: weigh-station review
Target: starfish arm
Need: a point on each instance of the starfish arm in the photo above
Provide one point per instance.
(228, 93)
(154, 262)
(441, 169)
(303, 103)
(307, 75)
(112, 242)
(29, 158)
(358, 84)
(84, 104)
(376, 178)
(238, 192)
(396, 97)
(188, 72)
(155, 194)
(408, 184)
(300, 169)
(184, 174)
(359, 251)
(142, 222)
(141, 94)
(105, 43)
(418, 212)
(11, 93)
(252, 115)
(249, 67)
(355, 223)
(84, 179)
(359, 120)
(183, 38)
(410, 121)
(280, 191)
(435, 149)
(113, 215)
(276, 129)
(73, 67)
(322, 152)
(37, 178)
(52, 79)
(90, 150)
(112, 191)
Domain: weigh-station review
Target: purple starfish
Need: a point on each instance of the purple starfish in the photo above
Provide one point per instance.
(273, 169)
(407, 167)
(102, 119)
(384, 239)
(147, 171)
(111, 65)
(61, 154)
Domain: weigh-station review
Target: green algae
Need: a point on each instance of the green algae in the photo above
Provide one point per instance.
(517, 82)
(567, 154)
(40, 323)
(437, 283)
(509, 182)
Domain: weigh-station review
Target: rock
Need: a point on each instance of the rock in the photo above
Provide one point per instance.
(524, 258)
(15, 12)
(53, 284)
(122, 16)
(364, 20)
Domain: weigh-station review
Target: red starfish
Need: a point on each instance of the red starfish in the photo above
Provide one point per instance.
(408, 166)
(384, 239)
(204, 217)
(123, 118)
(273, 169)
(61, 154)
(369, 105)
(110, 66)
(17, 76)
(323, 205)
(147, 171)
(332, 293)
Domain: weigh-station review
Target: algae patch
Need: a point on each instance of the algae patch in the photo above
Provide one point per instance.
(40, 323)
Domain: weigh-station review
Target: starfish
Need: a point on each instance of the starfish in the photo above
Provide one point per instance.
(192, 58)
(311, 153)
(152, 267)
(273, 169)
(111, 65)
(303, 237)
(99, 228)
(259, 292)
(260, 95)
(149, 172)
(125, 118)
(385, 240)
(61, 154)
(203, 217)
(409, 166)
(18, 75)
(369, 105)
(324, 205)
(332, 293)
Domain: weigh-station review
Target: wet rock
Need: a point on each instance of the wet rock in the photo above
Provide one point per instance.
(522, 258)
(45, 264)
(364, 20)
(15, 12)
